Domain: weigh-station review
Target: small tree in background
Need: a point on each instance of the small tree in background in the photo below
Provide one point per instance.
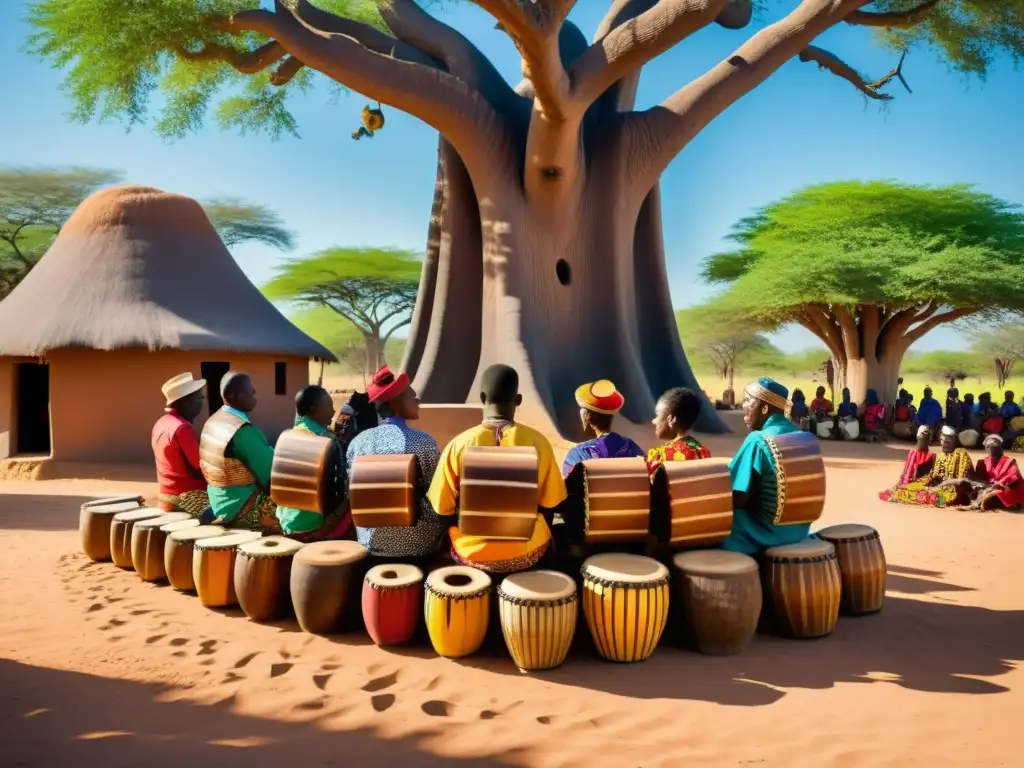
(237, 222)
(945, 365)
(343, 338)
(372, 288)
(723, 340)
(1003, 346)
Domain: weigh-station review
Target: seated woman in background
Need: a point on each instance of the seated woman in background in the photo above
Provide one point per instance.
(954, 409)
(874, 413)
(674, 417)
(821, 406)
(918, 464)
(846, 418)
(1009, 409)
(847, 409)
(930, 413)
(970, 411)
(988, 415)
(798, 410)
(944, 485)
(1003, 487)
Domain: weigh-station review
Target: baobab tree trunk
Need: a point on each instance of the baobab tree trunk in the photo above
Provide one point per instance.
(864, 373)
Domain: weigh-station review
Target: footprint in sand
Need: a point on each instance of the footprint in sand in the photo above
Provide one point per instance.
(312, 706)
(330, 667)
(437, 708)
(276, 670)
(231, 677)
(383, 701)
(489, 714)
(244, 661)
(112, 624)
(179, 641)
(141, 612)
(94, 607)
(179, 654)
(320, 681)
(154, 639)
(380, 683)
(207, 648)
(433, 684)
(545, 719)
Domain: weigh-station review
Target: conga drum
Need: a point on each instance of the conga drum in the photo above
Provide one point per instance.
(382, 490)
(691, 503)
(903, 430)
(94, 522)
(616, 500)
(457, 609)
(179, 550)
(262, 577)
(148, 537)
(321, 583)
(720, 593)
(392, 602)
(800, 474)
(625, 603)
(121, 533)
(213, 567)
(498, 492)
(802, 588)
(308, 472)
(862, 566)
(537, 611)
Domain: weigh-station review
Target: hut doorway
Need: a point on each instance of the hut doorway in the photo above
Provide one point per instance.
(33, 388)
(213, 373)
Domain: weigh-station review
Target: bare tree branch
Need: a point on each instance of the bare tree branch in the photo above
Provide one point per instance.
(835, 65)
(937, 320)
(246, 62)
(893, 19)
(283, 74)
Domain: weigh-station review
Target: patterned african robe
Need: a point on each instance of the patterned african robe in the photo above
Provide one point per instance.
(925, 492)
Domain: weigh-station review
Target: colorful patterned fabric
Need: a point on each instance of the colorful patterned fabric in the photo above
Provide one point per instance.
(247, 506)
(1002, 480)
(309, 526)
(926, 492)
(918, 463)
(607, 446)
(176, 453)
(821, 405)
(681, 449)
(193, 502)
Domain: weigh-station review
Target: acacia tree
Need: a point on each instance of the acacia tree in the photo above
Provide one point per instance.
(238, 222)
(372, 288)
(870, 268)
(545, 238)
(1004, 347)
(723, 340)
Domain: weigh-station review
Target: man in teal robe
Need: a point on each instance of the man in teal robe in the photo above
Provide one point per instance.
(753, 471)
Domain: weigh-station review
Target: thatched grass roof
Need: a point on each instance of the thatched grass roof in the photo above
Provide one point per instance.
(138, 267)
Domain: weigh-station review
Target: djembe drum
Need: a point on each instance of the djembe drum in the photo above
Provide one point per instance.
(179, 550)
(498, 492)
(903, 430)
(691, 503)
(862, 566)
(537, 611)
(392, 602)
(457, 609)
(94, 522)
(321, 583)
(382, 490)
(800, 475)
(147, 544)
(262, 577)
(121, 533)
(802, 588)
(616, 501)
(720, 593)
(213, 567)
(308, 472)
(625, 603)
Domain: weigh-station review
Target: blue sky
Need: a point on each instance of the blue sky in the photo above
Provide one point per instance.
(802, 126)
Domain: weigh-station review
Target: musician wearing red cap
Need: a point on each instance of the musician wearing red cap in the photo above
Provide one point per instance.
(675, 414)
(397, 404)
(599, 402)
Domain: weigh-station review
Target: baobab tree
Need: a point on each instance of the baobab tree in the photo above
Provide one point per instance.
(545, 239)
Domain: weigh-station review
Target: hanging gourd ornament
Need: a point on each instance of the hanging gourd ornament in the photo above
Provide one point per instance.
(373, 121)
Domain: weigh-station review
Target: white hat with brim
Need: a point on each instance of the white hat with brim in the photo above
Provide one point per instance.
(181, 386)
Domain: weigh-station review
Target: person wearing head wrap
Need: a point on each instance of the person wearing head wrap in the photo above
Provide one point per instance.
(1003, 487)
(945, 484)
(847, 409)
(929, 413)
(988, 415)
(599, 402)
(821, 406)
(798, 410)
(954, 409)
(1009, 410)
(754, 473)
(874, 413)
(918, 464)
(674, 416)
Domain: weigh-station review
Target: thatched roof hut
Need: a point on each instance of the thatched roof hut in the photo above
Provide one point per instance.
(136, 288)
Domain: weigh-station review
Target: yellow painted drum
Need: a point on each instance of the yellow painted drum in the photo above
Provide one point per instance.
(625, 603)
(457, 608)
(538, 617)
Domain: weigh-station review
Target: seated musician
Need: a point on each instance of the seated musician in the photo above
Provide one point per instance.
(954, 409)
(500, 397)
(397, 404)
(236, 460)
(1003, 487)
(599, 402)
(929, 414)
(988, 415)
(798, 410)
(176, 447)
(1009, 410)
(847, 409)
(874, 413)
(674, 415)
(314, 410)
(944, 484)
(754, 474)
(918, 464)
(821, 406)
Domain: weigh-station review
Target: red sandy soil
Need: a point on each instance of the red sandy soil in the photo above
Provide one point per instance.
(98, 668)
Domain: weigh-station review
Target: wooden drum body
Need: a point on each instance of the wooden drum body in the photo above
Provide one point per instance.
(801, 480)
(392, 602)
(457, 609)
(802, 588)
(692, 503)
(625, 603)
(308, 472)
(213, 567)
(616, 500)
(321, 583)
(720, 594)
(498, 492)
(382, 491)
(121, 533)
(538, 612)
(179, 549)
(95, 520)
(148, 538)
(862, 567)
(262, 577)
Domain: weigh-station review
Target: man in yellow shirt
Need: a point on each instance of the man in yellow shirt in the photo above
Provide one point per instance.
(500, 397)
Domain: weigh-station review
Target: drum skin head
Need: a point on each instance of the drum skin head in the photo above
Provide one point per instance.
(200, 532)
(540, 586)
(846, 531)
(331, 553)
(137, 514)
(271, 546)
(228, 540)
(457, 580)
(394, 575)
(112, 509)
(164, 519)
(808, 548)
(630, 569)
(179, 525)
(714, 562)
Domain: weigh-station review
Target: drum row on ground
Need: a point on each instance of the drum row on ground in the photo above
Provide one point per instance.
(625, 598)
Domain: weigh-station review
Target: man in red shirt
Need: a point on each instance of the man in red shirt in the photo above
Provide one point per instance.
(176, 447)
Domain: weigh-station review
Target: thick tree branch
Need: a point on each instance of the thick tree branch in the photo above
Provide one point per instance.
(936, 320)
(819, 322)
(246, 62)
(851, 334)
(870, 325)
(283, 74)
(893, 19)
(839, 68)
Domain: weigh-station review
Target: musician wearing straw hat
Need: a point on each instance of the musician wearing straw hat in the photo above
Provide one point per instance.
(754, 473)
(176, 447)
(599, 402)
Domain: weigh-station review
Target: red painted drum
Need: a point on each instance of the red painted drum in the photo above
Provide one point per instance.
(392, 602)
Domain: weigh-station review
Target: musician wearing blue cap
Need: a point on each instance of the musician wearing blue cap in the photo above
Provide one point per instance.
(754, 470)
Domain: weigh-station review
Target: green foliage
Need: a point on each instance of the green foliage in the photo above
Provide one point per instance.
(1002, 346)
(882, 242)
(343, 338)
(239, 222)
(943, 365)
(721, 340)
